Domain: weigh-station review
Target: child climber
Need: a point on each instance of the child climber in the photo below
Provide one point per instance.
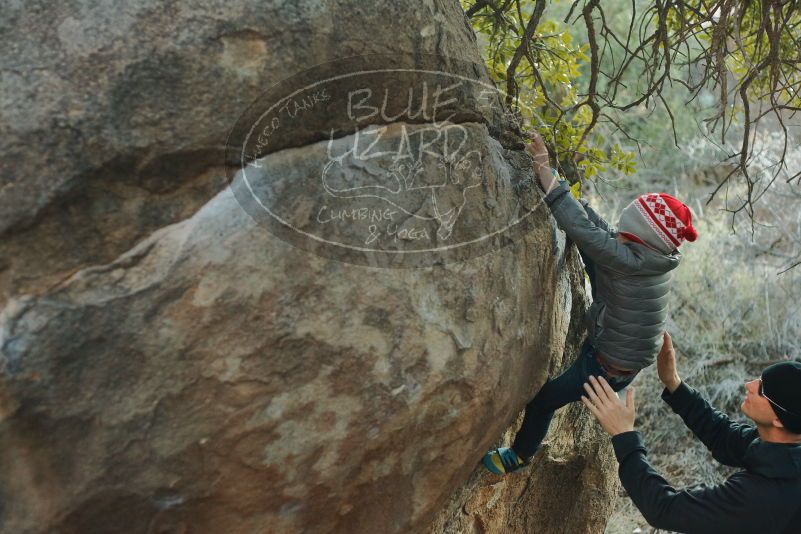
(629, 272)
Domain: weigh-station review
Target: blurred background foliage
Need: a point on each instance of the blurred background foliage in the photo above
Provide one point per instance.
(611, 84)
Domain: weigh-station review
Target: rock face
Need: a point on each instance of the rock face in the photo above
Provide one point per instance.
(168, 365)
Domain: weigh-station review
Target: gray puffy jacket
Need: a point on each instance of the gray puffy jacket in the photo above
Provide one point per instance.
(632, 282)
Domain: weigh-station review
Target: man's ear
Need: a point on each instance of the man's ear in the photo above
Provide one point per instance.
(777, 423)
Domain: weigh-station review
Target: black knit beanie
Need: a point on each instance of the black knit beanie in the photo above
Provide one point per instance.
(782, 384)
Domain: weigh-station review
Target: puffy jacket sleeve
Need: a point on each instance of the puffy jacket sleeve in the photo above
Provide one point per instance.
(594, 218)
(726, 440)
(594, 240)
(731, 507)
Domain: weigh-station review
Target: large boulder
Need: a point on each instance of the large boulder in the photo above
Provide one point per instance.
(114, 115)
(171, 364)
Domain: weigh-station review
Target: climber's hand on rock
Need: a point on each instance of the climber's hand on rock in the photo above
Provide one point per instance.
(538, 152)
(614, 416)
(541, 164)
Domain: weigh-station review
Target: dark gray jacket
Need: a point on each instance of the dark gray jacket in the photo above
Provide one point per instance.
(764, 497)
(632, 283)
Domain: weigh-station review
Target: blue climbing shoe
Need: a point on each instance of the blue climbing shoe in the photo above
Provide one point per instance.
(503, 460)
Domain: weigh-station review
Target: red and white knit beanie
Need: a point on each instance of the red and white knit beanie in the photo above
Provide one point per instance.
(659, 220)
